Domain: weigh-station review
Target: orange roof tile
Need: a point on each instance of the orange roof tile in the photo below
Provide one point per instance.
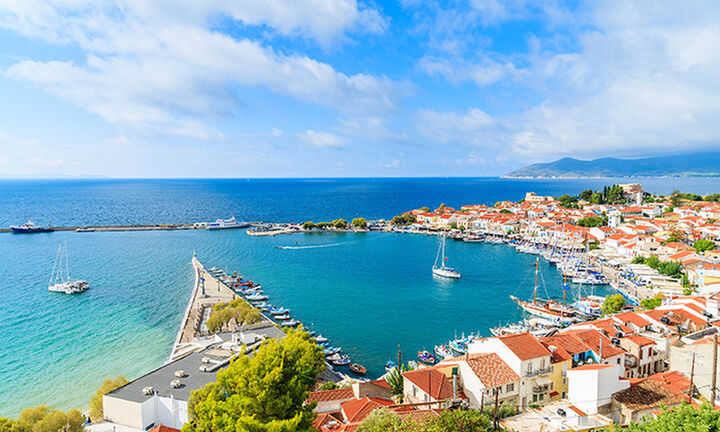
(329, 395)
(431, 381)
(357, 409)
(524, 345)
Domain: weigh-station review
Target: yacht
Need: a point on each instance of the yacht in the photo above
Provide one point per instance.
(60, 277)
(442, 270)
(226, 224)
(29, 228)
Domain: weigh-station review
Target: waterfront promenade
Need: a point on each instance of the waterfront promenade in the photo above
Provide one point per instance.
(207, 291)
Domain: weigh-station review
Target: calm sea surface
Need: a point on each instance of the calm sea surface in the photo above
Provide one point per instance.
(368, 292)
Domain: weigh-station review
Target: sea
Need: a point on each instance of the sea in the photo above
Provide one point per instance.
(371, 293)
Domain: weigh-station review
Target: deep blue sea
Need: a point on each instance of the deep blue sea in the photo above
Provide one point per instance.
(368, 292)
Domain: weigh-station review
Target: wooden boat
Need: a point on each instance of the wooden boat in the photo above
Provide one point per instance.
(426, 357)
(358, 369)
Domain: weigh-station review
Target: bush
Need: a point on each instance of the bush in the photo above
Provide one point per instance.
(308, 225)
(612, 304)
(339, 223)
(44, 419)
(704, 245)
(238, 309)
(403, 219)
(96, 404)
(359, 223)
(592, 221)
(651, 303)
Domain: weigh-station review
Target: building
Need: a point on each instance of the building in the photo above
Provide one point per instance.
(590, 387)
(649, 395)
(430, 385)
(696, 347)
(161, 396)
(559, 416)
(528, 358)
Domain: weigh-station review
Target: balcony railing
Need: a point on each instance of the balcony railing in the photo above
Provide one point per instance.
(537, 372)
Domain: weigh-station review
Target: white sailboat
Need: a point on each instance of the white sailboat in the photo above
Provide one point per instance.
(60, 278)
(442, 270)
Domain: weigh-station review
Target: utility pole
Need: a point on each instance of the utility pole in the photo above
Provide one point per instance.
(714, 368)
(399, 359)
(692, 375)
(497, 394)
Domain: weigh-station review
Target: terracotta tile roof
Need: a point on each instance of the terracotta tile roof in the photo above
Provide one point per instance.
(432, 382)
(419, 415)
(648, 394)
(491, 370)
(382, 383)
(593, 338)
(356, 410)
(673, 380)
(329, 395)
(163, 428)
(524, 345)
(559, 354)
(324, 419)
(640, 340)
(568, 342)
(633, 318)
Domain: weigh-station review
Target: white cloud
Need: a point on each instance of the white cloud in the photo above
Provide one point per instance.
(394, 164)
(158, 66)
(641, 80)
(322, 139)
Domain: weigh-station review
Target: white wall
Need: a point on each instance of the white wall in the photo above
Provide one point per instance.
(589, 389)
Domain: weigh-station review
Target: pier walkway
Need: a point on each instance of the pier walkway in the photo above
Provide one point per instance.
(207, 292)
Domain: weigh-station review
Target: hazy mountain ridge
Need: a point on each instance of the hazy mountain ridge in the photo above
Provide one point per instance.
(688, 165)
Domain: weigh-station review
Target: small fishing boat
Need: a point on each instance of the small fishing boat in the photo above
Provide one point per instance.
(323, 344)
(443, 351)
(279, 311)
(458, 347)
(291, 323)
(442, 270)
(321, 338)
(256, 297)
(358, 369)
(390, 365)
(426, 357)
(283, 317)
(331, 350)
(341, 361)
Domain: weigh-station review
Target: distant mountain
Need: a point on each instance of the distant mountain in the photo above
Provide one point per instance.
(687, 165)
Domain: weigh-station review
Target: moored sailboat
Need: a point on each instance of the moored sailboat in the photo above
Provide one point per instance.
(60, 277)
(442, 270)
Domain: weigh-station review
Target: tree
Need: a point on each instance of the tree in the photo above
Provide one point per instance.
(596, 198)
(586, 194)
(396, 380)
(675, 199)
(612, 304)
(505, 211)
(713, 198)
(339, 223)
(96, 403)
(651, 303)
(704, 245)
(453, 225)
(382, 420)
(592, 221)
(308, 225)
(44, 419)
(403, 219)
(238, 309)
(425, 209)
(359, 223)
(684, 418)
(263, 393)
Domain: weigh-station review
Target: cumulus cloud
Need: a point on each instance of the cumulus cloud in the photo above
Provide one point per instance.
(322, 139)
(159, 66)
(641, 79)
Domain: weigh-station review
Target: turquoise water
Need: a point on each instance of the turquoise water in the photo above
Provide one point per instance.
(367, 292)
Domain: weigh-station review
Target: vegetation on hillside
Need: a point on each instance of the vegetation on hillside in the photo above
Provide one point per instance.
(403, 219)
(263, 393)
(668, 268)
(382, 420)
(593, 221)
(613, 304)
(685, 418)
(704, 245)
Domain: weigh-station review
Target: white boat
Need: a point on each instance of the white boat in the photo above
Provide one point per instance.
(226, 224)
(442, 270)
(60, 277)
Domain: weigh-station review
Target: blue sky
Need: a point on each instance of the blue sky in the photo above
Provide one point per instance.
(334, 88)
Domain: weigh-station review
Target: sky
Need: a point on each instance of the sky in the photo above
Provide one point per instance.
(348, 88)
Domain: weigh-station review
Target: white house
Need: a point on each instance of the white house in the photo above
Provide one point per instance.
(591, 386)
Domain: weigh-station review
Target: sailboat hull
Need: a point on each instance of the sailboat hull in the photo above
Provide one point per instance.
(446, 273)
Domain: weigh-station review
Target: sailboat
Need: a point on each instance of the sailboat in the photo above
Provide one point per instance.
(442, 270)
(550, 309)
(60, 278)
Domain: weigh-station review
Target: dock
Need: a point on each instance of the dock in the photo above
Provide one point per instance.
(207, 291)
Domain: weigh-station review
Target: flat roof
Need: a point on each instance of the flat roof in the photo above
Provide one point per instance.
(160, 378)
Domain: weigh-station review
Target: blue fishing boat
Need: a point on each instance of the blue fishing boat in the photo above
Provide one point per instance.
(459, 347)
(426, 357)
(331, 350)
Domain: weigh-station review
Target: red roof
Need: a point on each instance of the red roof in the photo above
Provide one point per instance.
(163, 428)
(640, 340)
(432, 382)
(491, 370)
(632, 318)
(330, 395)
(595, 340)
(567, 341)
(357, 409)
(525, 346)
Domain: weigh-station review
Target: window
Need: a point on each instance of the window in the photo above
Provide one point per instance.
(510, 387)
(529, 367)
(542, 364)
(414, 391)
(552, 386)
(564, 395)
(542, 395)
(535, 398)
(618, 361)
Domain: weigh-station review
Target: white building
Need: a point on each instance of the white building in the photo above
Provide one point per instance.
(591, 387)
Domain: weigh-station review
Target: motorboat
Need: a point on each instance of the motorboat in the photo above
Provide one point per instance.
(444, 352)
(331, 350)
(426, 357)
(30, 228)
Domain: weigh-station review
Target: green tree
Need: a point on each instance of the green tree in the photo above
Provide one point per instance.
(586, 194)
(425, 209)
(262, 393)
(596, 198)
(238, 309)
(395, 380)
(403, 219)
(612, 304)
(704, 245)
(505, 211)
(308, 225)
(686, 418)
(638, 260)
(382, 420)
(453, 225)
(359, 223)
(339, 223)
(592, 221)
(675, 198)
(651, 303)
(44, 419)
(96, 404)
(713, 198)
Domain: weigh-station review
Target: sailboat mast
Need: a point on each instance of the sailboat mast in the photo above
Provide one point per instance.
(67, 265)
(537, 269)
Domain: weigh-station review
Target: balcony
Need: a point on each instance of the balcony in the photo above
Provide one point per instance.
(537, 372)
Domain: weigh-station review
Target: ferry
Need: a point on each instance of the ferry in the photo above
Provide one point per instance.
(29, 228)
(226, 224)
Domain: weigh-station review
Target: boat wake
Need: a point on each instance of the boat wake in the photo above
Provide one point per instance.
(310, 246)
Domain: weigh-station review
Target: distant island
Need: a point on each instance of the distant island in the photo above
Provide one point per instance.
(686, 165)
